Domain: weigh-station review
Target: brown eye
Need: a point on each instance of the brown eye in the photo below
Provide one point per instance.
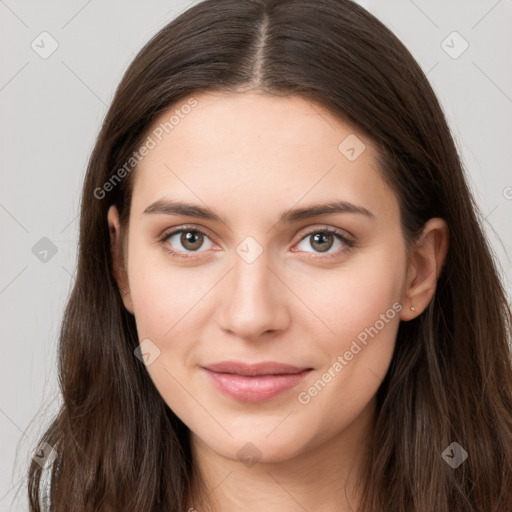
(183, 241)
(322, 241)
(191, 240)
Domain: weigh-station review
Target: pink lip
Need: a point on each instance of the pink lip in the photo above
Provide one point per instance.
(254, 382)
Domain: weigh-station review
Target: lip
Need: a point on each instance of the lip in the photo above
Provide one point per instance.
(254, 382)
(255, 369)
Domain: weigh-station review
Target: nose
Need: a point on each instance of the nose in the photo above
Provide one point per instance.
(254, 300)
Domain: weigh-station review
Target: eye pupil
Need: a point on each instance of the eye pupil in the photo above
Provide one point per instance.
(321, 239)
(192, 237)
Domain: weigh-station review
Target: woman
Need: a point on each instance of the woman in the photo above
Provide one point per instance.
(283, 296)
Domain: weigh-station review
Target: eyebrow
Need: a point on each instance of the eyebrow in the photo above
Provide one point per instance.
(169, 207)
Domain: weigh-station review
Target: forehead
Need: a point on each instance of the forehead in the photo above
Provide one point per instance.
(261, 147)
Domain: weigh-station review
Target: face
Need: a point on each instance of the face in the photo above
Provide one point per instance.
(255, 282)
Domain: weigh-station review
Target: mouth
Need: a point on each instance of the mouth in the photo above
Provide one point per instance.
(254, 382)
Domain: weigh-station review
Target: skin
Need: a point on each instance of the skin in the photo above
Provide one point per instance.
(250, 156)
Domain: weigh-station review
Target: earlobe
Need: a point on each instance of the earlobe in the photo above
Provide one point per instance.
(116, 251)
(425, 263)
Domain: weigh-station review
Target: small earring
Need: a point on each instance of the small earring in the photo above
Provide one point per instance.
(412, 308)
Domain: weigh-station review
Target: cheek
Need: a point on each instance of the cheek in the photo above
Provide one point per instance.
(161, 292)
(172, 305)
(359, 308)
(353, 296)
(167, 304)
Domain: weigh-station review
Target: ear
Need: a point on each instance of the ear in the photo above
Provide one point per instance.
(116, 251)
(425, 262)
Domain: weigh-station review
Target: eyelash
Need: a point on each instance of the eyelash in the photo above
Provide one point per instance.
(349, 244)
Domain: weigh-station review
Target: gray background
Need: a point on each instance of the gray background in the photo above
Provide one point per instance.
(51, 112)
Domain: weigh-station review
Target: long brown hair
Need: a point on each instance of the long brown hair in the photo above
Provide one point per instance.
(119, 445)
